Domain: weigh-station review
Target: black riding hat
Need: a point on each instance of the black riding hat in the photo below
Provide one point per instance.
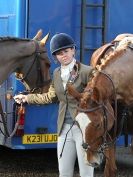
(61, 41)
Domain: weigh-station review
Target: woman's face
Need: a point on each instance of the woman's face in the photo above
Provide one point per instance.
(65, 56)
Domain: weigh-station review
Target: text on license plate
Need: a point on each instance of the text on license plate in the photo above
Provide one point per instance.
(39, 138)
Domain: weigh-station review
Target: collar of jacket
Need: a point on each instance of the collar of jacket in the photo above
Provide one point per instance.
(76, 66)
(74, 73)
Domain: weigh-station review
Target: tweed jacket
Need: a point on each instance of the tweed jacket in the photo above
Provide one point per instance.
(56, 89)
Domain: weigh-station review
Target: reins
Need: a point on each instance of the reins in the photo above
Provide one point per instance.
(90, 109)
(3, 121)
(5, 132)
(66, 138)
(115, 101)
(73, 76)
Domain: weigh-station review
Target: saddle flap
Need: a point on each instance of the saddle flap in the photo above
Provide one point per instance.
(98, 54)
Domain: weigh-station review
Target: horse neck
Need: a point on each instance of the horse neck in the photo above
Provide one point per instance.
(14, 54)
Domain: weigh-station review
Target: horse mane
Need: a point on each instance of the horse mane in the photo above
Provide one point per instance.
(9, 38)
(118, 51)
(107, 59)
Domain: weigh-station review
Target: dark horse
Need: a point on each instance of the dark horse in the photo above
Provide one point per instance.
(111, 82)
(28, 58)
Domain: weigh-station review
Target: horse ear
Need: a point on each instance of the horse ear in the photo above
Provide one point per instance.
(73, 92)
(38, 35)
(44, 40)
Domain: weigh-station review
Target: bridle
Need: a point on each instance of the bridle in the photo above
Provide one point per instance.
(106, 143)
(37, 60)
(100, 106)
(106, 134)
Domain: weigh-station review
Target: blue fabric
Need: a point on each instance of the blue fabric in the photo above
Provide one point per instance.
(68, 119)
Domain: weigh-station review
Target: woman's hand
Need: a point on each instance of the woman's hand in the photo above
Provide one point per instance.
(20, 98)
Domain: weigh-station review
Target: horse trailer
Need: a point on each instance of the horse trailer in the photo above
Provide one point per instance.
(90, 22)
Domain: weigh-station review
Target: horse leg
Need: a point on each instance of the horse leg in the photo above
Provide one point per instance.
(110, 164)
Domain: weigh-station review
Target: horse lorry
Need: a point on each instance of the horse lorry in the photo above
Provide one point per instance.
(90, 22)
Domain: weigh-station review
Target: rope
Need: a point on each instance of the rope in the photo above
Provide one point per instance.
(65, 139)
(6, 132)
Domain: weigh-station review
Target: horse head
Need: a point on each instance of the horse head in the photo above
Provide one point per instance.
(28, 58)
(96, 119)
(34, 72)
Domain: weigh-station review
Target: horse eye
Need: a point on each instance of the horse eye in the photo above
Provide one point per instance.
(98, 126)
(93, 102)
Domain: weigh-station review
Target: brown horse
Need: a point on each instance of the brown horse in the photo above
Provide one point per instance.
(112, 79)
(28, 58)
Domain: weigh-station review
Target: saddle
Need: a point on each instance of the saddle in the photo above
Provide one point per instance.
(99, 53)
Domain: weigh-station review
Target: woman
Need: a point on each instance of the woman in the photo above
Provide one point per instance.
(69, 147)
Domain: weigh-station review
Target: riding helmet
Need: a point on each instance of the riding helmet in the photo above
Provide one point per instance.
(61, 41)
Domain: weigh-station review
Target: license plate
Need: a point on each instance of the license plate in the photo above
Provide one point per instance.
(39, 138)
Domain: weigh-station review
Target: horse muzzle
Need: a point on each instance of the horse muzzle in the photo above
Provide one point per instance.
(93, 159)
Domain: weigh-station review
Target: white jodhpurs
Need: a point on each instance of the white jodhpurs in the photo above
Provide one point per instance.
(72, 149)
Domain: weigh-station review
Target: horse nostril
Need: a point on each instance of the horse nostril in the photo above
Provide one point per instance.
(101, 156)
(94, 164)
(85, 146)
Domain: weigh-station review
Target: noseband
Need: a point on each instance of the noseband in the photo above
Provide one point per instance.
(105, 143)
